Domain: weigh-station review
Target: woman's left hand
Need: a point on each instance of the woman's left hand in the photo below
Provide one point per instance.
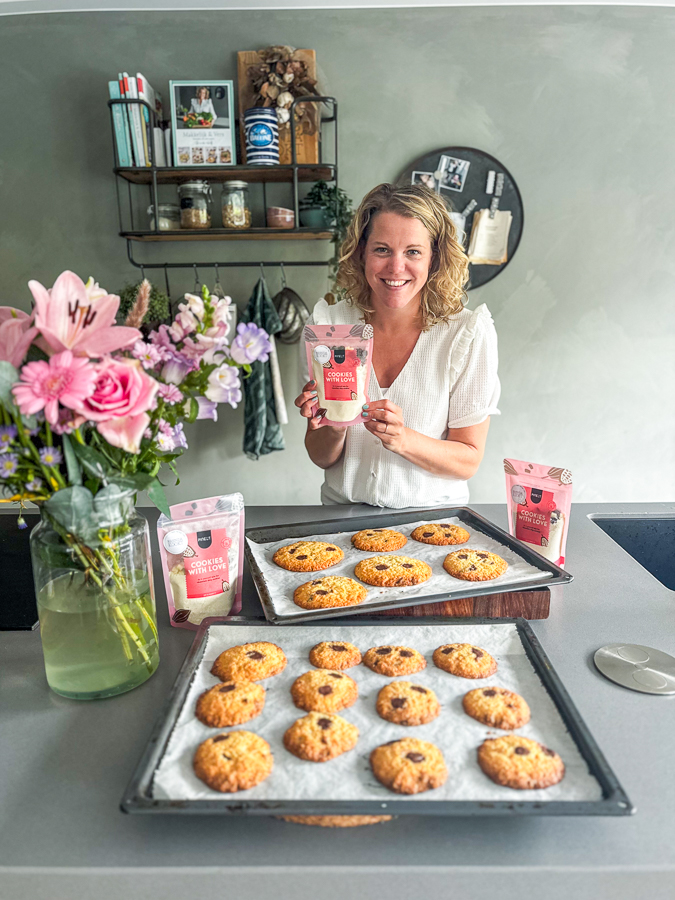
(385, 420)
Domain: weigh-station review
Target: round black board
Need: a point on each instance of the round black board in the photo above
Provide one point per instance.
(473, 188)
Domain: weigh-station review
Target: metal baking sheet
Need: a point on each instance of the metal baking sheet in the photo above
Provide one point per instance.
(278, 605)
(555, 720)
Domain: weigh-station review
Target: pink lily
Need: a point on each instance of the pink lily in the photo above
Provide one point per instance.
(79, 317)
(16, 334)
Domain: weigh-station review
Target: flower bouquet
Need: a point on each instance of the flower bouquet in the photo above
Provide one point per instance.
(90, 413)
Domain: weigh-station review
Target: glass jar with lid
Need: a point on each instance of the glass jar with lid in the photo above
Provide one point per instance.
(234, 205)
(195, 204)
(168, 218)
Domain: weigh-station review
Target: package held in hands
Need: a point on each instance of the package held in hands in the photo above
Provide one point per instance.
(202, 551)
(339, 358)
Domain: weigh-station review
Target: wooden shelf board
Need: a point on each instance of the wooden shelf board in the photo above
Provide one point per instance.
(257, 174)
(222, 234)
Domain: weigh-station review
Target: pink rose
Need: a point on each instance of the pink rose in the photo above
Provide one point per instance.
(119, 404)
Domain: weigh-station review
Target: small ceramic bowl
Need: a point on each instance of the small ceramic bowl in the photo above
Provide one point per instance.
(279, 217)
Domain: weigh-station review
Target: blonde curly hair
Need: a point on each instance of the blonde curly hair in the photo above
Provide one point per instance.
(443, 294)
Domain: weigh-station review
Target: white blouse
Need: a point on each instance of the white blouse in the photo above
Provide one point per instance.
(449, 381)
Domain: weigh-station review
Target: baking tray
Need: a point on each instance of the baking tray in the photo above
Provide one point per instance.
(612, 800)
(550, 573)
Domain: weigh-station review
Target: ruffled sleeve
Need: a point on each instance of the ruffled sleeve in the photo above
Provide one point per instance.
(474, 384)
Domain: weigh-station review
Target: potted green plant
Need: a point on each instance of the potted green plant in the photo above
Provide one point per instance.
(327, 206)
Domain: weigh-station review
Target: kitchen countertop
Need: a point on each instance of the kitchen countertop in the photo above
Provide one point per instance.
(66, 763)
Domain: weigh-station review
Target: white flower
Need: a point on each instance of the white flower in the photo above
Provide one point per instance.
(195, 304)
(224, 386)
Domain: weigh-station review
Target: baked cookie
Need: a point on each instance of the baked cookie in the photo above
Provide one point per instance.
(409, 766)
(464, 660)
(404, 703)
(324, 691)
(394, 661)
(334, 655)
(392, 571)
(307, 556)
(249, 662)
(497, 707)
(440, 534)
(232, 703)
(379, 540)
(474, 565)
(235, 761)
(336, 821)
(331, 590)
(319, 737)
(521, 763)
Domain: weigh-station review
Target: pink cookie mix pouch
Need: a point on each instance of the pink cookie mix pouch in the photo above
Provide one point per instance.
(339, 358)
(202, 551)
(539, 500)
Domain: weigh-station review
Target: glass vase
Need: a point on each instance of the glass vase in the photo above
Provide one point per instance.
(96, 604)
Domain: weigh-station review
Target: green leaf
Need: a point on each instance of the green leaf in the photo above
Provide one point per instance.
(158, 497)
(139, 481)
(112, 506)
(93, 462)
(72, 465)
(73, 509)
(8, 377)
(173, 468)
(194, 410)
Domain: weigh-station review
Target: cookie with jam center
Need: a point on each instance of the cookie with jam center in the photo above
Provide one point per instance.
(379, 540)
(497, 707)
(331, 590)
(441, 534)
(404, 703)
(392, 571)
(325, 691)
(318, 737)
(308, 556)
(235, 761)
(409, 766)
(521, 763)
(393, 661)
(232, 703)
(249, 662)
(334, 655)
(474, 565)
(464, 660)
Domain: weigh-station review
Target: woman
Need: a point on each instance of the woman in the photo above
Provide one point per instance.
(433, 385)
(201, 103)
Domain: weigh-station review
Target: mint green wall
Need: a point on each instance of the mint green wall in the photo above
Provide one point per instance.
(576, 101)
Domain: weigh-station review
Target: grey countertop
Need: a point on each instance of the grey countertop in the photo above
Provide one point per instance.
(66, 763)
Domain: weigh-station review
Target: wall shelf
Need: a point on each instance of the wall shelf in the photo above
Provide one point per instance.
(130, 180)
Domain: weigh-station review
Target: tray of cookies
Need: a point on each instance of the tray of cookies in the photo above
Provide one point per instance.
(365, 718)
(312, 570)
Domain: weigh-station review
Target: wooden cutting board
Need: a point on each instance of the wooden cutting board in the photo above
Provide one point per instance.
(307, 145)
(524, 604)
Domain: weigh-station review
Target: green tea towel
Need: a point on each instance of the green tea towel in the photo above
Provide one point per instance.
(262, 432)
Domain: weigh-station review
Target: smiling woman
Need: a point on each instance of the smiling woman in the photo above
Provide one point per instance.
(434, 381)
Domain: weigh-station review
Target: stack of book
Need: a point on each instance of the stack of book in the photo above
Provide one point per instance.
(136, 125)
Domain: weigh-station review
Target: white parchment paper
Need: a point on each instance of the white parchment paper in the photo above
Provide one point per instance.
(282, 583)
(348, 777)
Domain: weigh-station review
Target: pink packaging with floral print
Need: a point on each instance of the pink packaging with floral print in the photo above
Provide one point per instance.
(202, 551)
(339, 358)
(539, 500)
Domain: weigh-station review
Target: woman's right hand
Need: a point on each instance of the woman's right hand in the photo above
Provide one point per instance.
(308, 404)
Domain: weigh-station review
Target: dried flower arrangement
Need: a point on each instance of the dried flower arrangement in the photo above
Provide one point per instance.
(278, 80)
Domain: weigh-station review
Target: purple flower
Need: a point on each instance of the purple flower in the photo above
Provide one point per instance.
(21, 522)
(7, 435)
(170, 393)
(224, 386)
(164, 428)
(148, 354)
(251, 344)
(8, 464)
(179, 439)
(208, 409)
(165, 441)
(51, 456)
(161, 339)
(34, 485)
